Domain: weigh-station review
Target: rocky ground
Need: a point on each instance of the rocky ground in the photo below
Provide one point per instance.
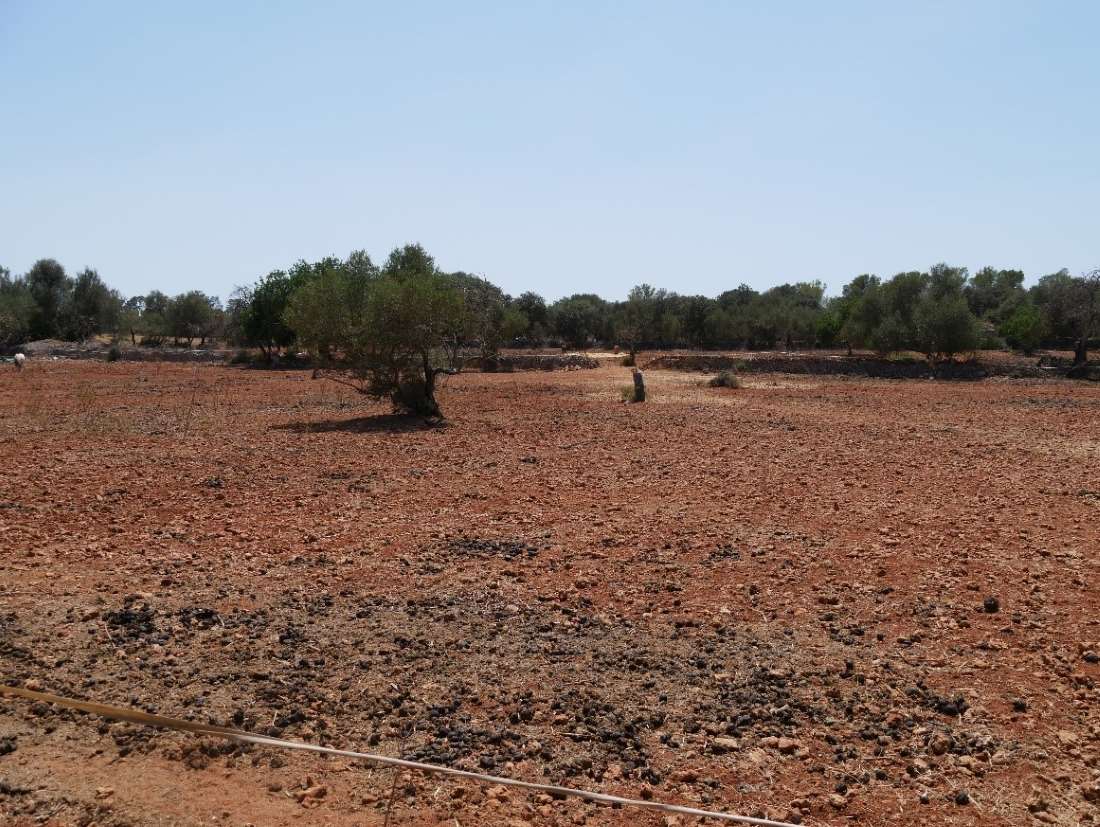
(827, 600)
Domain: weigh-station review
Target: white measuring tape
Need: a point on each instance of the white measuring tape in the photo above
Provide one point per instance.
(136, 716)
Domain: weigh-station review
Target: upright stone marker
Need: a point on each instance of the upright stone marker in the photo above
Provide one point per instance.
(639, 386)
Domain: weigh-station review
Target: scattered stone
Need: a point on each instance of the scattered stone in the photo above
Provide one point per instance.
(788, 746)
(939, 744)
(685, 776)
(311, 794)
(991, 605)
(1037, 804)
(962, 798)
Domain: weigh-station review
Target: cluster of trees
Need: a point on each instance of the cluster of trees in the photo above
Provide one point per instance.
(940, 312)
(390, 330)
(47, 303)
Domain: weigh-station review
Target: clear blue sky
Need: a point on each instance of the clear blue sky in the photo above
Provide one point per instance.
(554, 146)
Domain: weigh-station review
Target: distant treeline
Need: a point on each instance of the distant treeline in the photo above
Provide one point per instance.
(939, 312)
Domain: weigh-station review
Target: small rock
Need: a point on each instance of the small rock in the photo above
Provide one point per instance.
(837, 800)
(685, 776)
(317, 791)
(726, 744)
(1067, 738)
(1037, 805)
(991, 605)
(962, 798)
(789, 746)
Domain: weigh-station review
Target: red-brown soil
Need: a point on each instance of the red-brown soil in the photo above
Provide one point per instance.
(553, 586)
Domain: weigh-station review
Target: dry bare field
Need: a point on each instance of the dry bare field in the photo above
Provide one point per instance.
(822, 599)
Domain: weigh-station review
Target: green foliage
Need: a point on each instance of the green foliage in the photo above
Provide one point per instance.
(483, 323)
(994, 294)
(191, 316)
(829, 324)
(945, 326)
(323, 305)
(262, 322)
(636, 322)
(17, 309)
(861, 309)
(114, 353)
(390, 331)
(514, 325)
(1025, 328)
(1070, 307)
(892, 334)
(580, 319)
(89, 307)
(329, 305)
(536, 314)
(48, 287)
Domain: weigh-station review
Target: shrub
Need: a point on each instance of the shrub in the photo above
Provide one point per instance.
(628, 360)
(114, 354)
(1024, 329)
(626, 392)
(726, 379)
(241, 357)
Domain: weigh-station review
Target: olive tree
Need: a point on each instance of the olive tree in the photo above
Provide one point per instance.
(384, 335)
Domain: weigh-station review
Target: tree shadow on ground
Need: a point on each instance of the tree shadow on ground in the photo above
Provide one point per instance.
(380, 423)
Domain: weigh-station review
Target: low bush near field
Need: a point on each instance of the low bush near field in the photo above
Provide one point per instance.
(726, 379)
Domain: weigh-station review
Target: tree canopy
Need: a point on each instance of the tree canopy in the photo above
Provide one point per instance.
(321, 306)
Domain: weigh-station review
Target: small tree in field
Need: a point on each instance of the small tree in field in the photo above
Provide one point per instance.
(388, 332)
